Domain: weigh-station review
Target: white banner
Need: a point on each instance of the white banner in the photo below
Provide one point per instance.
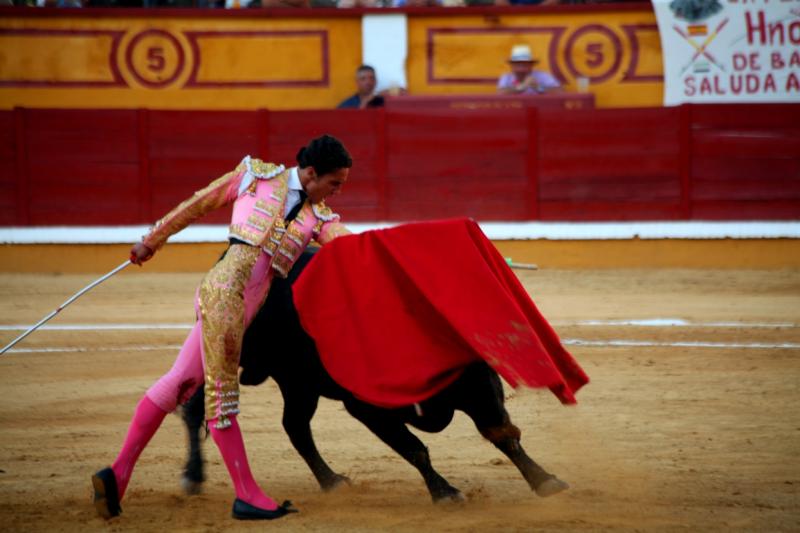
(730, 50)
(384, 47)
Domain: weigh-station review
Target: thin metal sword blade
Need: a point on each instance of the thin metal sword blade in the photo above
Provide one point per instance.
(65, 304)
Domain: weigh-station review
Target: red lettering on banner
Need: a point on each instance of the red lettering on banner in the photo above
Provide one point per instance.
(773, 33)
(769, 84)
(711, 86)
(777, 60)
(749, 83)
(736, 84)
(742, 61)
(752, 29)
(753, 84)
(792, 83)
(754, 65)
(776, 33)
(690, 88)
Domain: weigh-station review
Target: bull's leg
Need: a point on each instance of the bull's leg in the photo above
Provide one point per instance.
(481, 399)
(506, 438)
(298, 409)
(194, 416)
(394, 432)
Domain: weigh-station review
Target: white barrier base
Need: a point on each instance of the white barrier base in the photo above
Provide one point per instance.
(494, 230)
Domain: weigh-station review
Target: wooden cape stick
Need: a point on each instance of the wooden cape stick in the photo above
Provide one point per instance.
(523, 266)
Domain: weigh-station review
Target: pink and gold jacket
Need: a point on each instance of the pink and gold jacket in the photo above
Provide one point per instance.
(258, 190)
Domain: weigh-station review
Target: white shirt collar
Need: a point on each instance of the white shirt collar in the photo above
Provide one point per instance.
(294, 180)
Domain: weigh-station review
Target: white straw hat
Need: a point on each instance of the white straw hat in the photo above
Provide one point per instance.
(521, 53)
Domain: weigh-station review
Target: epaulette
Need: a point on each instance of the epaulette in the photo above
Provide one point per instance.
(323, 212)
(256, 169)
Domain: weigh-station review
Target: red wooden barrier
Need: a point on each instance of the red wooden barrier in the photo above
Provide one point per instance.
(745, 161)
(361, 132)
(81, 166)
(620, 164)
(107, 167)
(447, 163)
(10, 182)
(187, 149)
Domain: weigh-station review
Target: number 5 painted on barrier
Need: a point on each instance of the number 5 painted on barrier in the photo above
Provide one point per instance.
(595, 53)
(155, 58)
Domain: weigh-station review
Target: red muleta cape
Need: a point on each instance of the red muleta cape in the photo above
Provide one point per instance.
(398, 313)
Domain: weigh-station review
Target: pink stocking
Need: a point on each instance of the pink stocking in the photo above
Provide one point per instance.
(146, 420)
(231, 446)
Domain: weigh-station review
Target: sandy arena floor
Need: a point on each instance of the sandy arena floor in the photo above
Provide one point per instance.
(670, 435)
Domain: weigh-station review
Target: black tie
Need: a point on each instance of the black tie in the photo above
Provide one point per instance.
(296, 209)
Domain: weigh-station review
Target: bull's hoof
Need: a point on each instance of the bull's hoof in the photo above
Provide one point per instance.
(551, 486)
(452, 495)
(336, 482)
(190, 486)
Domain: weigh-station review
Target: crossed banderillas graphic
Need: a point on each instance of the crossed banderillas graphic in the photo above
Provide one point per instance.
(701, 48)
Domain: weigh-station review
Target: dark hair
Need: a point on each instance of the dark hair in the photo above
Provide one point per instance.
(326, 154)
(362, 68)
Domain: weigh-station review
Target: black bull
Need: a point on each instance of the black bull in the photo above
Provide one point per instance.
(276, 345)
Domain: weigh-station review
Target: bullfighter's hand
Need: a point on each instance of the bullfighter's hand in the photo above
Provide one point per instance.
(140, 253)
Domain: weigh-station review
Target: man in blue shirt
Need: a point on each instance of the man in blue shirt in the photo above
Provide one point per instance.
(366, 95)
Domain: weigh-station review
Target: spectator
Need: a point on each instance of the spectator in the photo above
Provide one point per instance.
(362, 3)
(365, 87)
(419, 3)
(281, 3)
(523, 79)
(540, 2)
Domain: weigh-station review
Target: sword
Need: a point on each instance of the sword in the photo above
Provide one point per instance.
(62, 306)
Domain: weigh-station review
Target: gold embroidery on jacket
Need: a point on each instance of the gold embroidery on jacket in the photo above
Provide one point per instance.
(202, 202)
(323, 212)
(243, 234)
(258, 222)
(263, 207)
(295, 234)
(262, 169)
(262, 219)
(222, 312)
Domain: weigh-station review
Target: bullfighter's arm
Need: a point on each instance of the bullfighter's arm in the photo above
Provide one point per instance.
(218, 193)
(329, 227)
(331, 231)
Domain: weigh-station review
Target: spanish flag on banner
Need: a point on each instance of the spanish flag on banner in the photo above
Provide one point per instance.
(697, 29)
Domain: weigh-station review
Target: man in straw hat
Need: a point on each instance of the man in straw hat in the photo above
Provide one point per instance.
(523, 79)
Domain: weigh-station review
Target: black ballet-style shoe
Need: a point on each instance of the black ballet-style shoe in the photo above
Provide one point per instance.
(106, 495)
(244, 511)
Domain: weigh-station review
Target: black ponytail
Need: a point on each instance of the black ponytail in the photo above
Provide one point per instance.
(326, 154)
